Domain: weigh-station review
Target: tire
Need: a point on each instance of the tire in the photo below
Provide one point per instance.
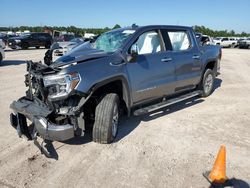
(207, 83)
(37, 47)
(106, 119)
(24, 46)
(47, 45)
(1, 58)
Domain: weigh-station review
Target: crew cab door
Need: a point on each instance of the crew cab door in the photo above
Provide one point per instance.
(34, 41)
(186, 56)
(152, 74)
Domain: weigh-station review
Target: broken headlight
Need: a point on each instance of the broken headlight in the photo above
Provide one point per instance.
(59, 86)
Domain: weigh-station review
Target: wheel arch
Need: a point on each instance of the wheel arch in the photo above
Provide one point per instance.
(118, 85)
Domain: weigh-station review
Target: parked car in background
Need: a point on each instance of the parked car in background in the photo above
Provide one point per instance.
(5, 37)
(226, 41)
(61, 48)
(30, 40)
(245, 43)
(2, 54)
(134, 70)
(206, 40)
(66, 37)
(58, 49)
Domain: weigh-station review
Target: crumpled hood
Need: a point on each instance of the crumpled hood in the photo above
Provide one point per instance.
(81, 53)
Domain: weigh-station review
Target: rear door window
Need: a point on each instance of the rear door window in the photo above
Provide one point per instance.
(42, 37)
(176, 40)
(179, 40)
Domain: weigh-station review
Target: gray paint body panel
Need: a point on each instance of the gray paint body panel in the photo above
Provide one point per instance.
(148, 78)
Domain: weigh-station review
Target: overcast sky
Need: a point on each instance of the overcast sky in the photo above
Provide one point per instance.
(215, 14)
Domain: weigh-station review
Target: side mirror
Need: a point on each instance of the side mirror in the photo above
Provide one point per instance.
(133, 53)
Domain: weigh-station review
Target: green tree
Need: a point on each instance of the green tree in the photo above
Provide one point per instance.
(117, 26)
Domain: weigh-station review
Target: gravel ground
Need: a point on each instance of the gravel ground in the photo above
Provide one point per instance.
(171, 148)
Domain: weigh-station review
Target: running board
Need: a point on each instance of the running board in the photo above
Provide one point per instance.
(163, 104)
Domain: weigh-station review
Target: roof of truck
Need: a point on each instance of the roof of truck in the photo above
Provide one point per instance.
(164, 26)
(148, 27)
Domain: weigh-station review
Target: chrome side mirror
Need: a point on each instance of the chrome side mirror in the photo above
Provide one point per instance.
(134, 49)
(133, 53)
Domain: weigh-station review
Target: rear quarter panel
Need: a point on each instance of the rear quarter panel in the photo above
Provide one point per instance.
(211, 53)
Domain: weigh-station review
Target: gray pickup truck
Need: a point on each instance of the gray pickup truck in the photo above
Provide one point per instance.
(134, 70)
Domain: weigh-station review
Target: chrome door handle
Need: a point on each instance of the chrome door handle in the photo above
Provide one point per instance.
(196, 57)
(166, 59)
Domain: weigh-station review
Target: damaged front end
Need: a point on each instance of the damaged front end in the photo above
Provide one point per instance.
(51, 104)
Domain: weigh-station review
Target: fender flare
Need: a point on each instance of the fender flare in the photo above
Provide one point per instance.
(125, 90)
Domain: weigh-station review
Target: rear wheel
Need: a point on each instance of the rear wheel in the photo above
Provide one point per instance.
(47, 45)
(37, 47)
(24, 46)
(106, 119)
(207, 83)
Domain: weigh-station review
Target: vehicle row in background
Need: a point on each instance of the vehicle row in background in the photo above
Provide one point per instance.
(226, 42)
(24, 40)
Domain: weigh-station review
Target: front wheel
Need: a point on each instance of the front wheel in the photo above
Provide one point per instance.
(106, 119)
(207, 83)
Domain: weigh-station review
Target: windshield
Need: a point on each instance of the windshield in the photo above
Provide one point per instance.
(113, 40)
(76, 40)
(25, 35)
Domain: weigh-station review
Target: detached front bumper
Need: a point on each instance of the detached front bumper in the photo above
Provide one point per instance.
(41, 125)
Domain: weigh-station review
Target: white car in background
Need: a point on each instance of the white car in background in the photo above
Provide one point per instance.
(207, 40)
(2, 54)
(226, 41)
(61, 48)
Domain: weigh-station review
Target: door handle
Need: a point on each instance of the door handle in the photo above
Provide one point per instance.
(167, 59)
(196, 57)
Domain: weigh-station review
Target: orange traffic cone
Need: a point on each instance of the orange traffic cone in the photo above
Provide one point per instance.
(218, 173)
